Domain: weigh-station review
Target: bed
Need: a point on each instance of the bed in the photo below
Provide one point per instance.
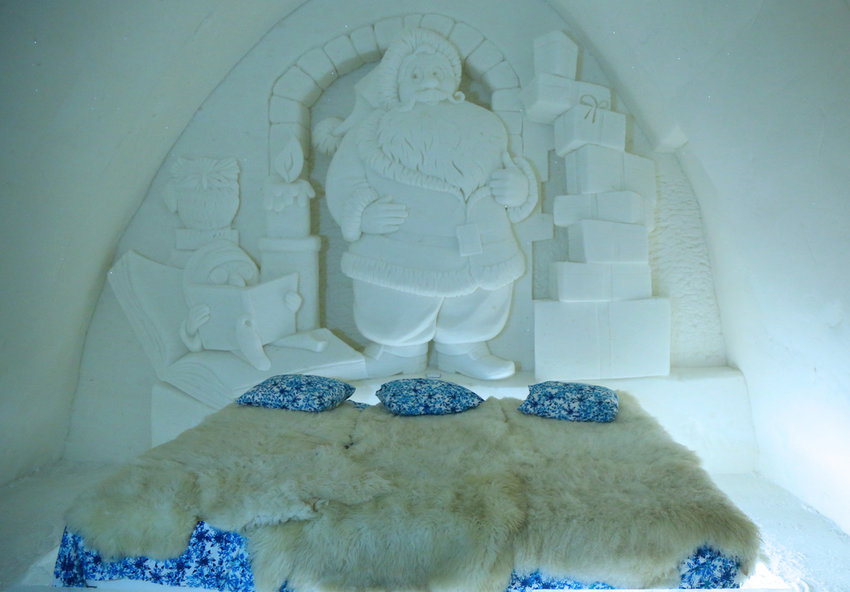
(295, 488)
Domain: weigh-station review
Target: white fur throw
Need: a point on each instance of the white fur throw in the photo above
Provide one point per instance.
(364, 500)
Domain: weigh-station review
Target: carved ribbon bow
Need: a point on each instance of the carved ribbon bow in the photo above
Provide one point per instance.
(594, 104)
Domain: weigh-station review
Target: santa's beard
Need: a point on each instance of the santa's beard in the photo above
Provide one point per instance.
(457, 142)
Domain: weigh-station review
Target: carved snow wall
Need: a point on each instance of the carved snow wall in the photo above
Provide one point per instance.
(300, 74)
(488, 77)
(601, 320)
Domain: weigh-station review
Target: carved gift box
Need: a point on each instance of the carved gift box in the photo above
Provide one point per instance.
(600, 241)
(570, 281)
(549, 95)
(615, 206)
(590, 122)
(592, 340)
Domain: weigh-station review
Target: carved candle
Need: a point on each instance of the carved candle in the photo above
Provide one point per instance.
(287, 197)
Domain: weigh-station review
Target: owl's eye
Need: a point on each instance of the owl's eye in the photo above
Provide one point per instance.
(415, 76)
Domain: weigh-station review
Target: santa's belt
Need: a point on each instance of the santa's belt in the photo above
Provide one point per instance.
(428, 240)
(466, 241)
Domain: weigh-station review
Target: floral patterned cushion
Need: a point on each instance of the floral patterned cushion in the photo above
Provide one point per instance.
(426, 396)
(299, 392)
(571, 401)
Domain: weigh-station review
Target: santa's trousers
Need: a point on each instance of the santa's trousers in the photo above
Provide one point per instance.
(395, 318)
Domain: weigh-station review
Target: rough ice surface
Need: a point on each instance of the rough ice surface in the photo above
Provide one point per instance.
(681, 270)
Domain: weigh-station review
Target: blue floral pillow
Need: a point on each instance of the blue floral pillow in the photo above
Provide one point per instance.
(426, 396)
(571, 401)
(299, 392)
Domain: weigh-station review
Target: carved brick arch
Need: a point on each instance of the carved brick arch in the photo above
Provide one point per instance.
(302, 84)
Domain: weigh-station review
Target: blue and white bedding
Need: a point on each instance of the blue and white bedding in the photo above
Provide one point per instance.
(219, 560)
(484, 497)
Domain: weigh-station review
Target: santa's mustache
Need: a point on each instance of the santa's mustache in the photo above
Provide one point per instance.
(454, 98)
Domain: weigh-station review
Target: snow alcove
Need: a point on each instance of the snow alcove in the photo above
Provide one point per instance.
(616, 282)
(645, 139)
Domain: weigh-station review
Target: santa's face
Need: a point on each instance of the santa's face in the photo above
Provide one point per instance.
(425, 78)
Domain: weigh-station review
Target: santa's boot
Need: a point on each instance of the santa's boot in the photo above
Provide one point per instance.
(473, 360)
(386, 360)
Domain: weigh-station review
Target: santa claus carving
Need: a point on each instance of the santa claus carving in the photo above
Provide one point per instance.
(425, 190)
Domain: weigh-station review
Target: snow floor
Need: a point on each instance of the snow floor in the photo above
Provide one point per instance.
(804, 552)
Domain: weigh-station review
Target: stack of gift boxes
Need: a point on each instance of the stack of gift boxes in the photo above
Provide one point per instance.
(601, 321)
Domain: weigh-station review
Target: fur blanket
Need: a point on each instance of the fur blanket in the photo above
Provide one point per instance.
(361, 500)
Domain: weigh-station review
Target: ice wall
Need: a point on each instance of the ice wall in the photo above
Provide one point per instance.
(753, 97)
(94, 94)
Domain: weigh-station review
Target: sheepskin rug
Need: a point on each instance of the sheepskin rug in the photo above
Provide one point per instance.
(362, 500)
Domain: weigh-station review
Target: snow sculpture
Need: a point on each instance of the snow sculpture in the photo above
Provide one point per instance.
(288, 246)
(229, 310)
(286, 196)
(204, 193)
(602, 320)
(439, 213)
(212, 322)
(425, 190)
